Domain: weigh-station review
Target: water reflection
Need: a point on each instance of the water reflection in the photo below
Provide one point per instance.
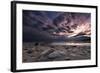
(71, 43)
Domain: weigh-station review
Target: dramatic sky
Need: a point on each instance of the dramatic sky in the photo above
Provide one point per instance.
(49, 25)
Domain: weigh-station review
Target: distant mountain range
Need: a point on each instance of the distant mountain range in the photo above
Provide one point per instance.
(55, 26)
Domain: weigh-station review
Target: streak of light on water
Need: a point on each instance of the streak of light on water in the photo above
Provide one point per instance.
(71, 44)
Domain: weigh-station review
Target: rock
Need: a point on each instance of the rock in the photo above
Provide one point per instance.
(51, 55)
(29, 51)
(46, 52)
(36, 44)
(43, 55)
(56, 54)
(72, 54)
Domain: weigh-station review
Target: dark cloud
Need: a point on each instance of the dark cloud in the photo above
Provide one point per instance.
(48, 25)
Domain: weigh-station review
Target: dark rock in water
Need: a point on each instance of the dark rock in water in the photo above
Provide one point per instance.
(36, 44)
(56, 54)
(29, 51)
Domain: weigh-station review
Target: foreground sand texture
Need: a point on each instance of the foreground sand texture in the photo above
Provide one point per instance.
(35, 52)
